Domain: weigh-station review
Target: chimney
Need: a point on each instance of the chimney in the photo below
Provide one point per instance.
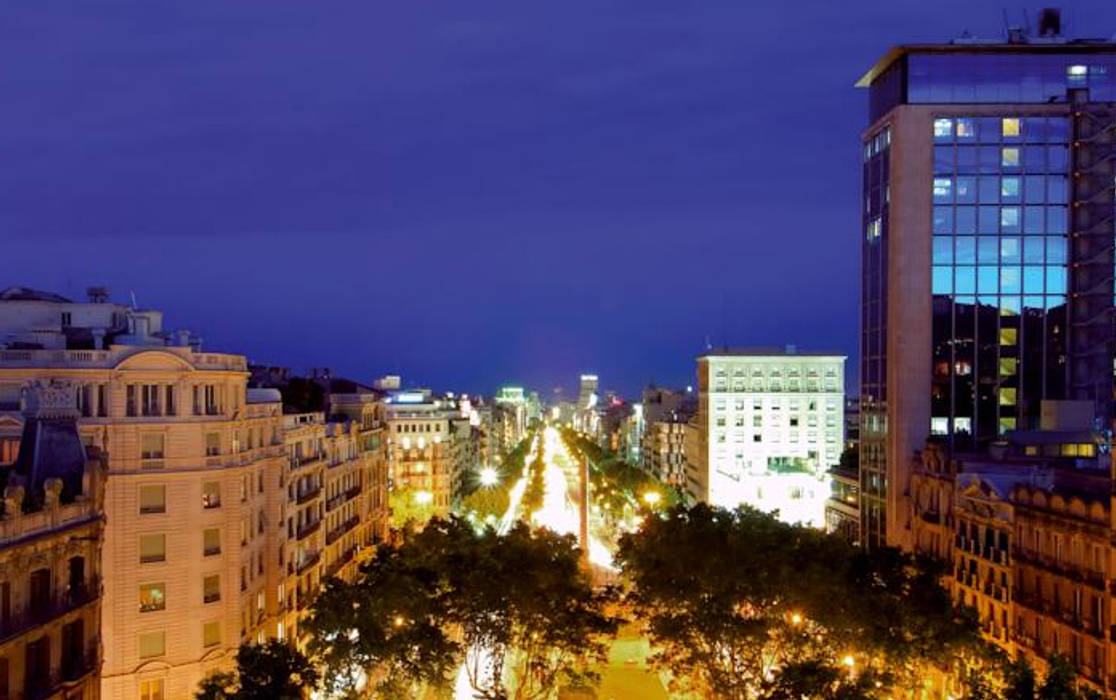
(1050, 22)
(97, 294)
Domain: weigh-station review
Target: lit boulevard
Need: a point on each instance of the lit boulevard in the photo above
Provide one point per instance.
(560, 513)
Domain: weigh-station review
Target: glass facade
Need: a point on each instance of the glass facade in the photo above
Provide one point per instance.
(1022, 76)
(873, 341)
(999, 253)
(1008, 78)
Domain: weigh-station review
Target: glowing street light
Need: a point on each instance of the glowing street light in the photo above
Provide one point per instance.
(489, 477)
(796, 619)
(849, 661)
(651, 497)
(424, 498)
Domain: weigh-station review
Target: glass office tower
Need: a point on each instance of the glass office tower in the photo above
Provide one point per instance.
(987, 250)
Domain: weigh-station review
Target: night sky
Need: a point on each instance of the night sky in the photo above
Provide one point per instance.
(466, 193)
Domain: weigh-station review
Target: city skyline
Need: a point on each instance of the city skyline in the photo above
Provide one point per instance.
(244, 159)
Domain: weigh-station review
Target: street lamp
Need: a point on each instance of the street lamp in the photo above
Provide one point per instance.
(651, 498)
(489, 477)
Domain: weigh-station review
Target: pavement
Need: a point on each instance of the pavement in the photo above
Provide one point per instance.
(626, 675)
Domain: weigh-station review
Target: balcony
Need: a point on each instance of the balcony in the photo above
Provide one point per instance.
(305, 531)
(307, 496)
(72, 669)
(341, 529)
(308, 561)
(1089, 577)
(41, 612)
(343, 497)
(342, 560)
(298, 461)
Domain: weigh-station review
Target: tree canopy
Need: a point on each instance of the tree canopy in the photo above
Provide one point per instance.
(514, 608)
(272, 671)
(737, 600)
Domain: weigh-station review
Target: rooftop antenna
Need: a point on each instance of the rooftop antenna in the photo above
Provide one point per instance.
(134, 305)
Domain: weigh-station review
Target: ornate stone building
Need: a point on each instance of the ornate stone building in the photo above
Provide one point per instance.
(1026, 533)
(50, 542)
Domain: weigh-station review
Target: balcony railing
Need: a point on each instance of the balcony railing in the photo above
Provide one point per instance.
(343, 497)
(308, 496)
(342, 560)
(39, 612)
(309, 561)
(333, 535)
(1064, 569)
(305, 531)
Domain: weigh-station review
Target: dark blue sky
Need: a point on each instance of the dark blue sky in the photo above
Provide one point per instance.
(467, 193)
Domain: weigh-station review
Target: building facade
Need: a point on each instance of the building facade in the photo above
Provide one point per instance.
(663, 452)
(1025, 532)
(421, 455)
(770, 427)
(987, 270)
(51, 533)
(218, 524)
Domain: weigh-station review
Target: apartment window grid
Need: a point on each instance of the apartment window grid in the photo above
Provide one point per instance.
(1000, 222)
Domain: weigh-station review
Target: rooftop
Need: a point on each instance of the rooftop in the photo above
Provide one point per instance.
(28, 294)
(787, 351)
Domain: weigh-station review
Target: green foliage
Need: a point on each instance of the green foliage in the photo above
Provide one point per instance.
(615, 486)
(729, 596)
(263, 672)
(417, 608)
(406, 511)
(1060, 681)
(812, 679)
(485, 502)
(533, 494)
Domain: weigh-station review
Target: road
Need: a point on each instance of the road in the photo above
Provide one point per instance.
(626, 676)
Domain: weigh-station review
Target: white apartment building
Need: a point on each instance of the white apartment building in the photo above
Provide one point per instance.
(770, 424)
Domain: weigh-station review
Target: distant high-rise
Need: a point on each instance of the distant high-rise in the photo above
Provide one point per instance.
(587, 394)
(987, 248)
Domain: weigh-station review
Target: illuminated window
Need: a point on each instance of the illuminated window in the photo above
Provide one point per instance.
(152, 644)
(211, 494)
(943, 129)
(152, 597)
(1006, 424)
(1009, 336)
(212, 444)
(943, 189)
(966, 129)
(1009, 188)
(939, 425)
(1009, 366)
(1011, 126)
(1007, 396)
(1009, 157)
(151, 689)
